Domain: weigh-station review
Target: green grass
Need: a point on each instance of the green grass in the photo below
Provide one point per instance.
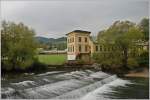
(53, 59)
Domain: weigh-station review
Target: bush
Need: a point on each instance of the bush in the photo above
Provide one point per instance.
(143, 59)
(37, 66)
(132, 63)
(80, 62)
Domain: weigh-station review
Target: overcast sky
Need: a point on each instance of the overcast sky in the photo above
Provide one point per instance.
(55, 18)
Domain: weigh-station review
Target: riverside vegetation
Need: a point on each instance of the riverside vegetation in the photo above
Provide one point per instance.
(124, 37)
(19, 47)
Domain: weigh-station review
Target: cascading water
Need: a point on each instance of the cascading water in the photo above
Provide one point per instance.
(57, 85)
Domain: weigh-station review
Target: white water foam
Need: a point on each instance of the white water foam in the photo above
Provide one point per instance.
(98, 93)
(89, 71)
(83, 75)
(47, 73)
(54, 89)
(7, 90)
(46, 80)
(78, 93)
(99, 75)
(24, 83)
(74, 74)
(78, 84)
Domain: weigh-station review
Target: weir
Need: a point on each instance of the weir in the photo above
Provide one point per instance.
(57, 85)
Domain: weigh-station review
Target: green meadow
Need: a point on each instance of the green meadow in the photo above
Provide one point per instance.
(53, 59)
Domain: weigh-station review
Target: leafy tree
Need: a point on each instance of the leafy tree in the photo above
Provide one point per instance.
(18, 46)
(123, 35)
(144, 26)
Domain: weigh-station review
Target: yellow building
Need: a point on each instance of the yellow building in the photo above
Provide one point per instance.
(79, 45)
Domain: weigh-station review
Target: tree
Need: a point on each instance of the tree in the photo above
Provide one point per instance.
(123, 35)
(18, 46)
(127, 41)
(144, 26)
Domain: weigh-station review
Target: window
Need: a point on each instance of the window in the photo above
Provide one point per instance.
(86, 48)
(96, 48)
(68, 40)
(101, 48)
(108, 48)
(104, 48)
(79, 48)
(73, 48)
(79, 39)
(85, 39)
(104, 55)
(72, 39)
(68, 49)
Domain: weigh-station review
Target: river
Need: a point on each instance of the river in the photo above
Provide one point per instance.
(76, 85)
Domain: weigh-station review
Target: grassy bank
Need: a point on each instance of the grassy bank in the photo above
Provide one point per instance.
(53, 59)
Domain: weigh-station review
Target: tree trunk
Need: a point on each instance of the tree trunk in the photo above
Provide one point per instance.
(125, 58)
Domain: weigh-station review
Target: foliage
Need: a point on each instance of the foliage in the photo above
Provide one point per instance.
(132, 63)
(111, 58)
(144, 26)
(37, 66)
(18, 46)
(124, 35)
(80, 61)
(143, 59)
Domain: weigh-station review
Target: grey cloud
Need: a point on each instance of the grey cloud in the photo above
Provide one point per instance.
(56, 18)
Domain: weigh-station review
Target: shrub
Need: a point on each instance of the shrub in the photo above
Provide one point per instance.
(132, 63)
(37, 66)
(143, 59)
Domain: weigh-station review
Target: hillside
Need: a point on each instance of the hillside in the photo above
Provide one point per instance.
(50, 40)
(51, 43)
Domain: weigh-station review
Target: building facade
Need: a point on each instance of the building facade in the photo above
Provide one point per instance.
(79, 45)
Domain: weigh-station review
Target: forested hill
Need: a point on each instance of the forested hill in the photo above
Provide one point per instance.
(45, 40)
(51, 43)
